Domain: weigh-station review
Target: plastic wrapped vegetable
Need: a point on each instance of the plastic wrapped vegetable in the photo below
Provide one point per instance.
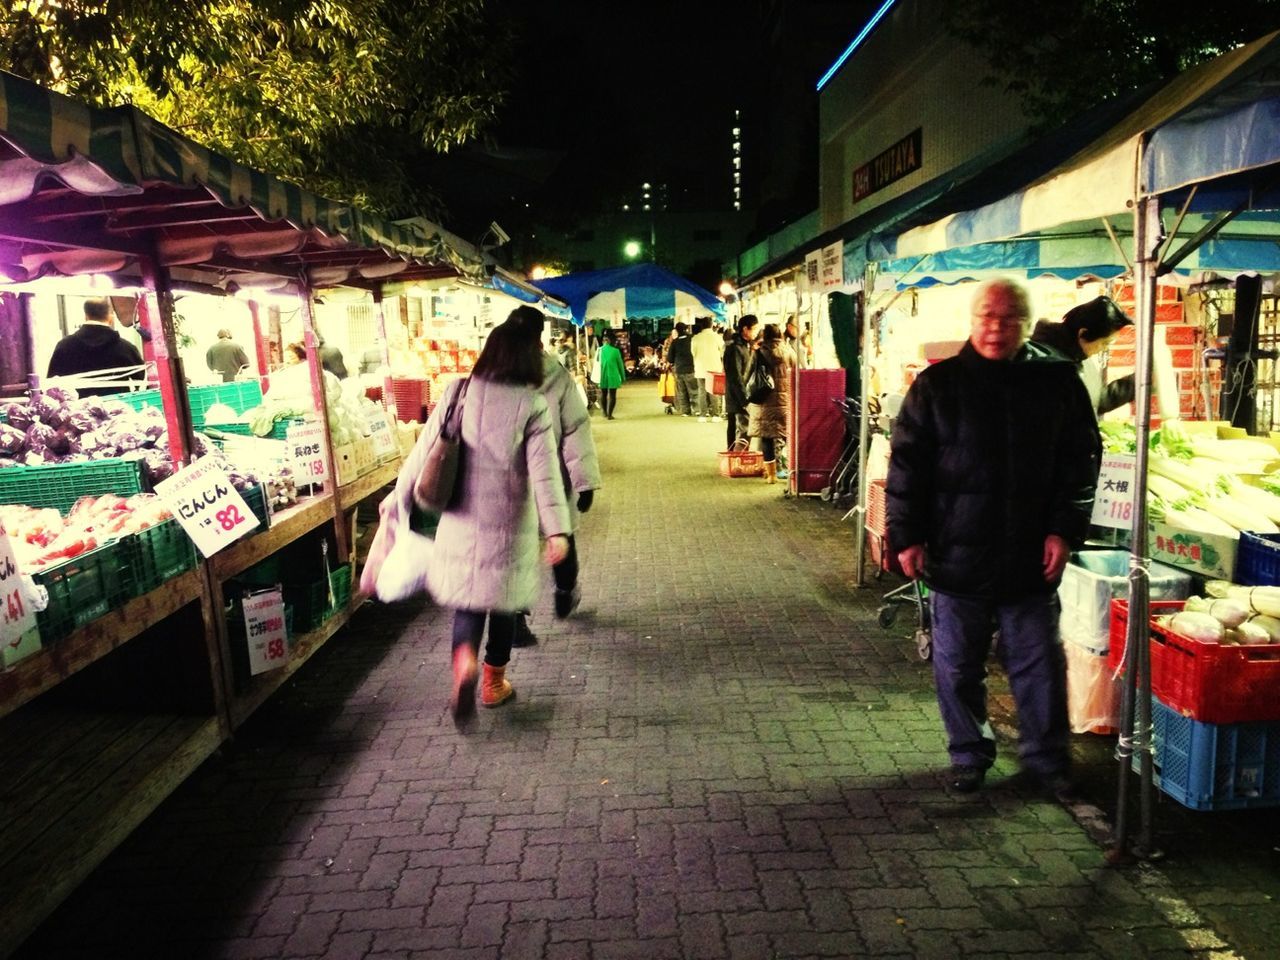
(62, 394)
(1229, 612)
(220, 413)
(38, 437)
(48, 410)
(202, 445)
(12, 440)
(60, 441)
(1196, 626)
(95, 406)
(19, 415)
(1252, 634)
(158, 466)
(116, 408)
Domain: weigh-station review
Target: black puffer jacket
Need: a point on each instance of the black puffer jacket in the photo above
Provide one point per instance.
(1058, 338)
(988, 459)
(737, 367)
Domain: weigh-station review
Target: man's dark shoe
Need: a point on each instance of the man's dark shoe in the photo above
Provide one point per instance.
(966, 779)
(1061, 787)
(524, 636)
(567, 601)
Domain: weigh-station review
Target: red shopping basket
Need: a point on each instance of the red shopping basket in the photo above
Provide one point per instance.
(741, 462)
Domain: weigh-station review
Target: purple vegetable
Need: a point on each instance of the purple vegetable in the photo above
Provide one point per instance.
(158, 467)
(95, 406)
(38, 436)
(154, 430)
(116, 408)
(60, 442)
(202, 445)
(48, 410)
(82, 421)
(127, 441)
(12, 440)
(62, 394)
(19, 415)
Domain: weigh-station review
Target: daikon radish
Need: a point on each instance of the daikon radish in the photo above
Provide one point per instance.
(1239, 515)
(1228, 612)
(1234, 451)
(1199, 521)
(1196, 626)
(1218, 588)
(1266, 503)
(1169, 490)
(1252, 633)
(1193, 476)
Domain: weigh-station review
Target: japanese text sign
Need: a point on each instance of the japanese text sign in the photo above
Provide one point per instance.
(265, 630)
(306, 453)
(384, 440)
(1113, 499)
(206, 504)
(18, 635)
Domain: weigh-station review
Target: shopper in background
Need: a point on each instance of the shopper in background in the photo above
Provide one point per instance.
(768, 419)
(1084, 332)
(707, 347)
(613, 373)
(737, 365)
(994, 459)
(96, 346)
(331, 358)
(485, 566)
(680, 359)
(295, 353)
(226, 357)
(579, 466)
(566, 353)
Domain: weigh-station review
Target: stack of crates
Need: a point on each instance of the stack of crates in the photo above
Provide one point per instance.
(1090, 582)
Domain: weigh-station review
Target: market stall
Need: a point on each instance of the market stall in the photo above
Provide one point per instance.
(1182, 185)
(154, 598)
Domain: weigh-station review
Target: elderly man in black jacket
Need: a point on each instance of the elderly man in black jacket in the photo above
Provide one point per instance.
(991, 478)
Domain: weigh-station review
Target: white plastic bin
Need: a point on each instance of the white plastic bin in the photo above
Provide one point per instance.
(1092, 580)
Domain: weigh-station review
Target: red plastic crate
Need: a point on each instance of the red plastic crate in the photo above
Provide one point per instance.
(1207, 682)
(410, 396)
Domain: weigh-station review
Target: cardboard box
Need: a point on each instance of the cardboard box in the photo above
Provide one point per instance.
(1208, 554)
(365, 455)
(344, 464)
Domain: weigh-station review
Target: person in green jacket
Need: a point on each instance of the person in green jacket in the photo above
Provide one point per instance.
(612, 374)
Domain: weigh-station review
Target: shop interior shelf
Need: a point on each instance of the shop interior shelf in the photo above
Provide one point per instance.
(286, 526)
(56, 662)
(76, 784)
(350, 495)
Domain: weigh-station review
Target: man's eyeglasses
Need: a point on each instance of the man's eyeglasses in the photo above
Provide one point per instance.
(1002, 320)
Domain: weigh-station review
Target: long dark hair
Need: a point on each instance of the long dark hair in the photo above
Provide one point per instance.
(510, 355)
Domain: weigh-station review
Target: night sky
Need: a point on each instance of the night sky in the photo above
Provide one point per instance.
(628, 90)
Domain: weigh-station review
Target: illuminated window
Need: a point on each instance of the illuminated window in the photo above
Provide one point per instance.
(737, 163)
(737, 177)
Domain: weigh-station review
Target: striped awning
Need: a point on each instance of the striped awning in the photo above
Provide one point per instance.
(84, 189)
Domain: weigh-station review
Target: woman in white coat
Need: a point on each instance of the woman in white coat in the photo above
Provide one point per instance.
(486, 563)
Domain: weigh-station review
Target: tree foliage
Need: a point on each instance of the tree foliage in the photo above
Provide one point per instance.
(1062, 56)
(340, 96)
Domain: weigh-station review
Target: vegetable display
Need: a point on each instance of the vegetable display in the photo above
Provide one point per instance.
(42, 537)
(1230, 614)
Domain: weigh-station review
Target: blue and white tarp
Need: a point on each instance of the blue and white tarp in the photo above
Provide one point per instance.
(644, 290)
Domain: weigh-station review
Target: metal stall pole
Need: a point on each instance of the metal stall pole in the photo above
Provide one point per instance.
(1135, 704)
(864, 429)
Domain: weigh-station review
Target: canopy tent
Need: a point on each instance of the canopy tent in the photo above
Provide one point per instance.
(643, 290)
(135, 189)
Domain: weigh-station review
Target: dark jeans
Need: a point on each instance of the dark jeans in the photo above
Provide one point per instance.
(769, 447)
(708, 403)
(608, 401)
(687, 387)
(736, 427)
(468, 627)
(1033, 660)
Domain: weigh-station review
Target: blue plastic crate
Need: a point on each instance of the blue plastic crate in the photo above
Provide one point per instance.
(1210, 766)
(1258, 559)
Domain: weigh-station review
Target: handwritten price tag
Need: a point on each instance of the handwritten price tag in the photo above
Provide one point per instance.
(264, 627)
(1113, 499)
(306, 454)
(384, 439)
(18, 635)
(210, 510)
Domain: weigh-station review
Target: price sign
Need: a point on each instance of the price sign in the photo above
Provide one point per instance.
(1113, 500)
(18, 635)
(384, 440)
(306, 454)
(264, 628)
(210, 510)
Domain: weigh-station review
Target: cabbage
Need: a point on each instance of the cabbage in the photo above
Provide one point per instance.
(218, 414)
(19, 415)
(158, 466)
(49, 410)
(82, 421)
(202, 445)
(38, 436)
(127, 440)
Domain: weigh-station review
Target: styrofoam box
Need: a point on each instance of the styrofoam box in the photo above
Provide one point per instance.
(1092, 580)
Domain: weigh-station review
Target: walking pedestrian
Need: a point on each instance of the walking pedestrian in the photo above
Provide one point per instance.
(486, 549)
(994, 459)
(737, 365)
(707, 347)
(579, 466)
(613, 373)
(768, 419)
(680, 358)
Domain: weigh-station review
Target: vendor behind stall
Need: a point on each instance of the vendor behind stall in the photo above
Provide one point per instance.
(1084, 332)
(96, 346)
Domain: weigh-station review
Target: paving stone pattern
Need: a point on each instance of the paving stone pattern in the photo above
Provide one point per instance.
(721, 756)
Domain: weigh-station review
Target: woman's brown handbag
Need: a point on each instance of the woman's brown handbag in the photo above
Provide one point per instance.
(438, 482)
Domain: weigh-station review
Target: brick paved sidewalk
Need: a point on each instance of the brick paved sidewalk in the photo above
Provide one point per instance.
(721, 756)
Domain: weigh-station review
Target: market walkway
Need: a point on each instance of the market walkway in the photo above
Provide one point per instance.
(721, 756)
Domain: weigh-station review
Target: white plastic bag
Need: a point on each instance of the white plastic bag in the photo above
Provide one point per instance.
(396, 568)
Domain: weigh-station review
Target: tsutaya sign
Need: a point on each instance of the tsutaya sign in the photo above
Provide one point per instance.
(893, 164)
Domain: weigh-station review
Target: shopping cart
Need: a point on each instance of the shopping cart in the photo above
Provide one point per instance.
(912, 593)
(844, 475)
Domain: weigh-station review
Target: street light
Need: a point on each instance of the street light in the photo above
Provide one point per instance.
(632, 249)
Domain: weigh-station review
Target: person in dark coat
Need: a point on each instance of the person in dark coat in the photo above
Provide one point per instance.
(331, 359)
(680, 357)
(226, 357)
(737, 367)
(768, 418)
(97, 345)
(1084, 332)
(994, 460)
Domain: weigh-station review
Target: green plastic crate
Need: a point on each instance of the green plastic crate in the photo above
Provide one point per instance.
(60, 485)
(83, 589)
(140, 399)
(341, 586)
(157, 555)
(310, 603)
(240, 395)
(256, 498)
(279, 430)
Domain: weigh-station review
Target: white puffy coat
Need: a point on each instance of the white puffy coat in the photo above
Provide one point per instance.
(488, 553)
(708, 353)
(571, 425)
